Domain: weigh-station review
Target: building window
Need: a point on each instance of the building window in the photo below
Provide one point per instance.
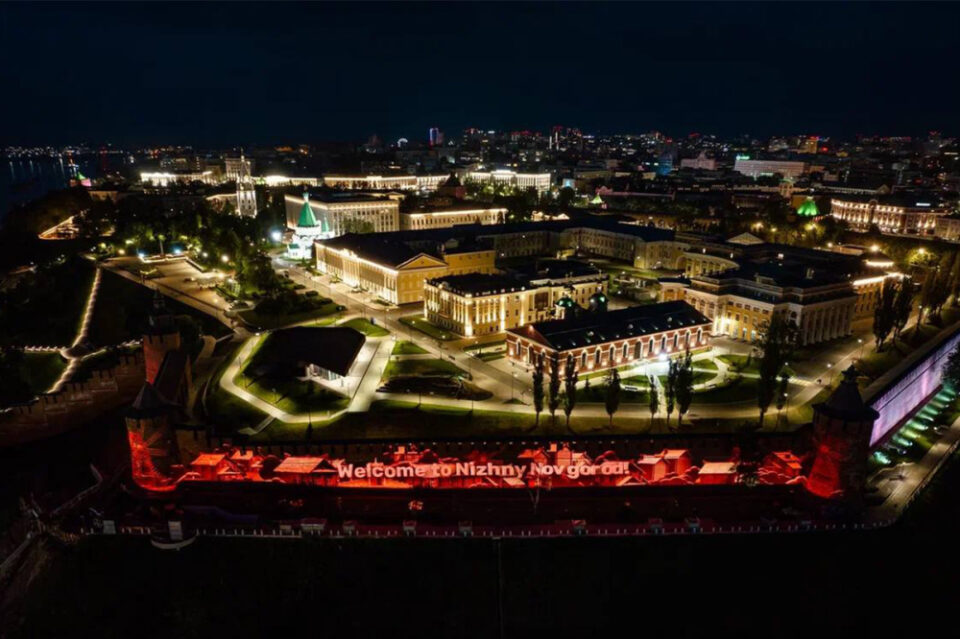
(596, 357)
(625, 351)
(583, 359)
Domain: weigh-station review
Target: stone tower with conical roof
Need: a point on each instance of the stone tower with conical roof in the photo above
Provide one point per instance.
(161, 336)
(153, 447)
(842, 426)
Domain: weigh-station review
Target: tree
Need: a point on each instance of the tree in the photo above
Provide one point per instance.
(553, 402)
(777, 342)
(654, 400)
(684, 387)
(885, 315)
(902, 307)
(612, 400)
(538, 386)
(670, 389)
(570, 387)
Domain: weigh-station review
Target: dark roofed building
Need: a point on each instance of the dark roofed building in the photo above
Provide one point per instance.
(603, 340)
(326, 352)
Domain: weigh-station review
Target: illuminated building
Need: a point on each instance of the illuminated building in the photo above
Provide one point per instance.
(742, 286)
(474, 248)
(900, 214)
(948, 228)
(166, 178)
(598, 341)
(808, 208)
(451, 216)
(741, 302)
(246, 192)
(343, 213)
(758, 168)
(482, 304)
(539, 181)
(394, 270)
(306, 230)
(701, 162)
(424, 183)
(234, 167)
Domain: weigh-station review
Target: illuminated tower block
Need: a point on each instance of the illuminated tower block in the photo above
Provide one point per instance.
(160, 337)
(152, 443)
(246, 191)
(841, 427)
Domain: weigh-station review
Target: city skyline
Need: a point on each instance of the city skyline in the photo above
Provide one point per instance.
(253, 76)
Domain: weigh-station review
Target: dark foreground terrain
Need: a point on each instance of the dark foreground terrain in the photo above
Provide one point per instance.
(879, 583)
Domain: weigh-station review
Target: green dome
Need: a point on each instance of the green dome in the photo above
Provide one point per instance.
(596, 200)
(808, 208)
(307, 218)
(565, 302)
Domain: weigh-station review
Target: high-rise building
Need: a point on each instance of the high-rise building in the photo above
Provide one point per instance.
(246, 192)
(435, 136)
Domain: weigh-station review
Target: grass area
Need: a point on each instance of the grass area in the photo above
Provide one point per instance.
(706, 364)
(321, 316)
(741, 363)
(484, 346)
(423, 367)
(41, 370)
(293, 395)
(596, 394)
(407, 348)
(230, 413)
(45, 308)
(422, 325)
(123, 307)
(366, 327)
(740, 389)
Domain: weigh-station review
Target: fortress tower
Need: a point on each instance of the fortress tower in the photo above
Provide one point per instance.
(842, 427)
(153, 447)
(161, 337)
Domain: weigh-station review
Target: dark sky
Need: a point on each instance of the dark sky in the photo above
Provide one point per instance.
(247, 73)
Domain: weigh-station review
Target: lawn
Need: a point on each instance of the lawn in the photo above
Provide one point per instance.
(228, 412)
(741, 363)
(422, 325)
(323, 315)
(294, 395)
(41, 370)
(46, 307)
(366, 327)
(122, 309)
(423, 367)
(740, 389)
(407, 348)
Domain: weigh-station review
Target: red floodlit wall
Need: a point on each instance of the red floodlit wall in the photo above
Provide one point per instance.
(405, 468)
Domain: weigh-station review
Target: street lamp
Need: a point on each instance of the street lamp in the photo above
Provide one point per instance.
(224, 258)
(513, 378)
(860, 341)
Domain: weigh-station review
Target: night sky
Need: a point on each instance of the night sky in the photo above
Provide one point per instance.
(223, 74)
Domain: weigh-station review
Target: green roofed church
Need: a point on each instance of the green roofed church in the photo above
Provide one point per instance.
(808, 208)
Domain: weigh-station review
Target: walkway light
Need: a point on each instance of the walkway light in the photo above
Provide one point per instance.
(224, 258)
